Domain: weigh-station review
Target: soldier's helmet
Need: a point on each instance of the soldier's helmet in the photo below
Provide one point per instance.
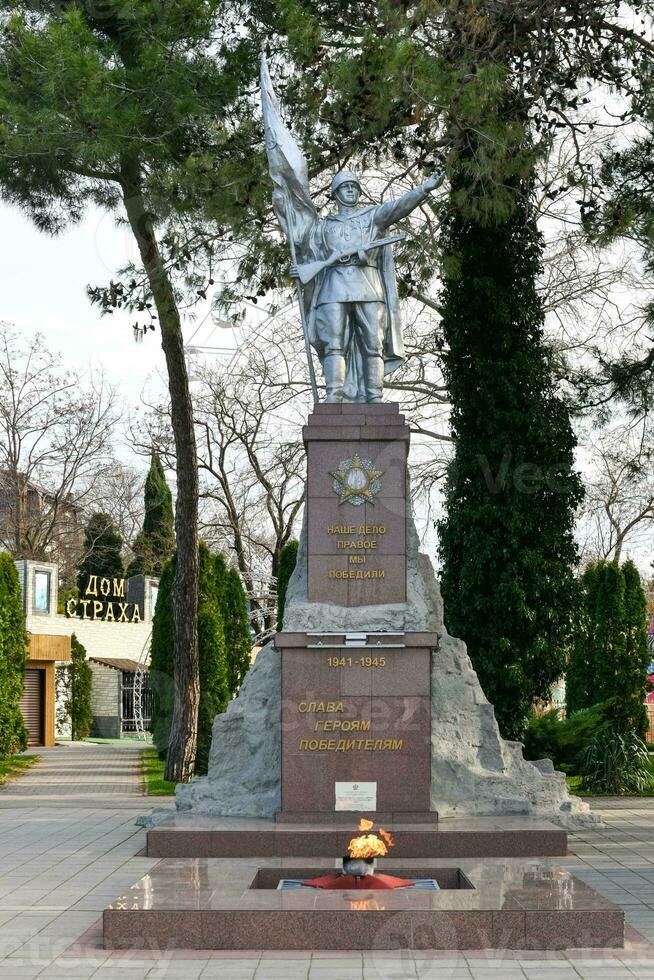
(344, 177)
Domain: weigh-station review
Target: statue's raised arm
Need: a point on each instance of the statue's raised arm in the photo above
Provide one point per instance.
(342, 264)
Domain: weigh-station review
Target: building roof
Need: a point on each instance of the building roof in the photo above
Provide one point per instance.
(122, 663)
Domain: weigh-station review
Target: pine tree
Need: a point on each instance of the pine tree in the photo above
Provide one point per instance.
(155, 543)
(14, 646)
(214, 690)
(506, 542)
(144, 110)
(287, 562)
(102, 551)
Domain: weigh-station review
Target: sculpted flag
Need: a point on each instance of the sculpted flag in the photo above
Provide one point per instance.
(288, 169)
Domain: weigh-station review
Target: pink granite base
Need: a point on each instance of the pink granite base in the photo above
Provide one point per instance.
(490, 904)
(189, 836)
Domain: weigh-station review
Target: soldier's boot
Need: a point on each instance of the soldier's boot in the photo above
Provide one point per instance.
(333, 367)
(374, 377)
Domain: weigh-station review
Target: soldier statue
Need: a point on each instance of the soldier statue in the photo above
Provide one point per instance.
(343, 266)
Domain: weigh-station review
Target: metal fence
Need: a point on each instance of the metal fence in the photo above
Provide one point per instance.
(129, 696)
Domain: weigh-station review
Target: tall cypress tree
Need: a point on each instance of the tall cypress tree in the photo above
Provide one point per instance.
(155, 543)
(13, 657)
(214, 690)
(506, 542)
(580, 680)
(102, 551)
(77, 686)
(631, 682)
(610, 653)
(238, 638)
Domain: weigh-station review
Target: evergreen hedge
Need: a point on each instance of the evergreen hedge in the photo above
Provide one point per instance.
(14, 645)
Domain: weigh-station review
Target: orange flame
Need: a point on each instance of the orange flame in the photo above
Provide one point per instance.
(387, 837)
(367, 846)
(365, 824)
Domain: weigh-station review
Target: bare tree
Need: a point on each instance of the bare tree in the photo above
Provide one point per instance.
(55, 450)
(619, 507)
(248, 415)
(120, 495)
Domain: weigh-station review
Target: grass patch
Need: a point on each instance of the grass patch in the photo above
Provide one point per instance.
(574, 785)
(15, 765)
(153, 774)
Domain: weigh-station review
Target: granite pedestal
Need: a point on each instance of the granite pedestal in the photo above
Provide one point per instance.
(230, 904)
(363, 707)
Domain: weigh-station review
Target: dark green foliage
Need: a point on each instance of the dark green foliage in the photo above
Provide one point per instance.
(615, 764)
(287, 560)
(580, 679)
(565, 740)
(102, 552)
(610, 653)
(633, 676)
(236, 622)
(214, 691)
(161, 660)
(506, 542)
(13, 657)
(75, 688)
(155, 543)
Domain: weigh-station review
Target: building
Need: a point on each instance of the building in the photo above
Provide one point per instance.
(39, 524)
(38, 701)
(114, 623)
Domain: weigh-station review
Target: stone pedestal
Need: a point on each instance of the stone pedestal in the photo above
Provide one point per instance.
(356, 706)
(356, 504)
(356, 710)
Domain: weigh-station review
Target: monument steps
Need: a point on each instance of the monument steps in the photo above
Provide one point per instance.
(186, 836)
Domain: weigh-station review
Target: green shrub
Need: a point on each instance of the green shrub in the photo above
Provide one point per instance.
(14, 644)
(616, 763)
(75, 681)
(565, 741)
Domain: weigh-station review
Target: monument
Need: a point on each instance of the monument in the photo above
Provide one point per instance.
(363, 702)
(363, 710)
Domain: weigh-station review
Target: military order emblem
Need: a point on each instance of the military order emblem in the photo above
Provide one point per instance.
(357, 481)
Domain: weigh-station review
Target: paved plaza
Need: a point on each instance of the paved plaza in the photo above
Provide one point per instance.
(69, 846)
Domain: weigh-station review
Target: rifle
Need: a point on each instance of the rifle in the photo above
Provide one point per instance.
(309, 270)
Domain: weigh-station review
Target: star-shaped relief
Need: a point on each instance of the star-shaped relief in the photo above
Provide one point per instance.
(357, 481)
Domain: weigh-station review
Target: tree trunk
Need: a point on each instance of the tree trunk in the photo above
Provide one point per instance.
(183, 734)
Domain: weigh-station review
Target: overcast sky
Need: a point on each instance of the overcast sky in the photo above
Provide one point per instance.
(44, 283)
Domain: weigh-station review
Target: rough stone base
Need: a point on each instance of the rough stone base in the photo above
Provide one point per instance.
(474, 771)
